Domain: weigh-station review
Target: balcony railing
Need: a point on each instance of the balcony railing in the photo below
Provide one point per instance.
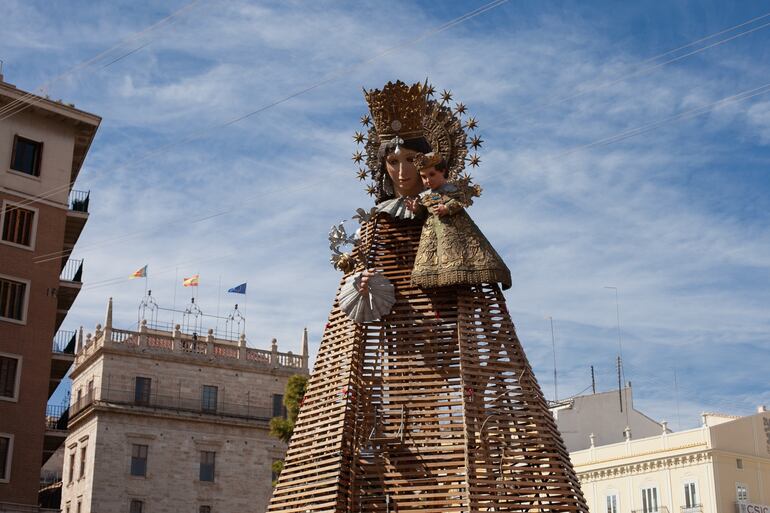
(171, 402)
(64, 341)
(56, 417)
(79, 200)
(697, 508)
(73, 271)
(661, 509)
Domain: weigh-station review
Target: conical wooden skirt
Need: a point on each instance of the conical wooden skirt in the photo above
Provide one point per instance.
(432, 409)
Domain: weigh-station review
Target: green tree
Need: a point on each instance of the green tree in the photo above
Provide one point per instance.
(283, 428)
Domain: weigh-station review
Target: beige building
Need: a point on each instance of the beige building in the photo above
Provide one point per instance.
(166, 422)
(606, 416)
(43, 145)
(721, 467)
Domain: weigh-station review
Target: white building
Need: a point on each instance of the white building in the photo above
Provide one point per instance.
(164, 422)
(721, 467)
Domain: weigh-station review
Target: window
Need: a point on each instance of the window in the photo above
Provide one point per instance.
(72, 466)
(279, 410)
(6, 450)
(739, 463)
(80, 507)
(650, 500)
(67, 508)
(690, 495)
(209, 398)
(136, 506)
(26, 156)
(138, 460)
(204, 509)
(742, 492)
(82, 462)
(9, 377)
(90, 390)
(207, 465)
(18, 224)
(12, 296)
(142, 389)
(612, 503)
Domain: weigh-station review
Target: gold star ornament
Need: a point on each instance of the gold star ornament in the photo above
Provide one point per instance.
(358, 157)
(476, 142)
(358, 137)
(446, 96)
(460, 108)
(370, 190)
(475, 160)
(361, 174)
(472, 123)
(366, 120)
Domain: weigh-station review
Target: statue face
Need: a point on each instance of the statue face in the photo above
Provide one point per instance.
(406, 180)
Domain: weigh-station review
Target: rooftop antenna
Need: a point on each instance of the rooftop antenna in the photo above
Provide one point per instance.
(621, 373)
(555, 380)
(593, 380)
(1, 70)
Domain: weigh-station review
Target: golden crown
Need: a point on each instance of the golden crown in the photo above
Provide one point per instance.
(398, 109)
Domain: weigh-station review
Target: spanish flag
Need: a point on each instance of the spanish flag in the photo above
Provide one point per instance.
(141, 273)
(192, 281)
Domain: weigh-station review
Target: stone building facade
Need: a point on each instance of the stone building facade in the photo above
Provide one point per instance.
(164, 422)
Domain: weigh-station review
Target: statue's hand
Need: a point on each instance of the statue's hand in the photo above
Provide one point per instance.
(440, 210)
(363, 284)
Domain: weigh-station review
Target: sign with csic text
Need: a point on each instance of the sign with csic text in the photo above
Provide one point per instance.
(756, 508)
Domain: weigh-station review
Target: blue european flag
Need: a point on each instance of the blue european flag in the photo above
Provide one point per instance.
(239, 289)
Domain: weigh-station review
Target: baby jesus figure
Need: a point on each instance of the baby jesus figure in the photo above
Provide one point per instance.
(452, 249)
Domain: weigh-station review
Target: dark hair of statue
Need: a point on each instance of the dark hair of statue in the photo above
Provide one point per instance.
(383, 192)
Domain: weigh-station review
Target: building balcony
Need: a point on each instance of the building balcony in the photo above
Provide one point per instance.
(77, 216)
(62, 357)
(661, 509)
(70, 283)
(167, 401)
(697, 508)
(55, 429)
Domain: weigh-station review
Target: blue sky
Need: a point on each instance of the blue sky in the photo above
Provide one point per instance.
(675, 216)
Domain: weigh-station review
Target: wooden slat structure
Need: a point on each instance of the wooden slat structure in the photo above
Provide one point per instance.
(433, 409)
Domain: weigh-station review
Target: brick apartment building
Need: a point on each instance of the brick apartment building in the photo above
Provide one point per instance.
(43, 144)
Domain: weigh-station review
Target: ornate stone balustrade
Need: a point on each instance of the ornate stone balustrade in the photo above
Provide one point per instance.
(192, 346)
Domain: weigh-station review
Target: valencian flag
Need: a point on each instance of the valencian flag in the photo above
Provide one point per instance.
(141, 273)
(239, 289)
(192, 281)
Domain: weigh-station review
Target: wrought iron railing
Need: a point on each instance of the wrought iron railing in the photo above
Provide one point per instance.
(79, 200)
(660, 509)
(172, 402)
(64, 341)
(696, 508)
(73, 271)
(56, 417)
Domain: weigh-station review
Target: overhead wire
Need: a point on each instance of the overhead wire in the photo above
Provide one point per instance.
(607, 140)
(654, 67)
(625, 134)
(343, 72)
(88, 63)
(334, 76)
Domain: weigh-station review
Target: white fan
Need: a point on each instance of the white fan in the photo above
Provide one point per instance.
(367, 307)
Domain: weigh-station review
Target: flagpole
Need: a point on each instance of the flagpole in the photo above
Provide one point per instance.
(219, 298)
(173, 308)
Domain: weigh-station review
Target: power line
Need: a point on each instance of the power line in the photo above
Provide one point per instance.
(88, 63)
(653, 67)
(343, 72)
